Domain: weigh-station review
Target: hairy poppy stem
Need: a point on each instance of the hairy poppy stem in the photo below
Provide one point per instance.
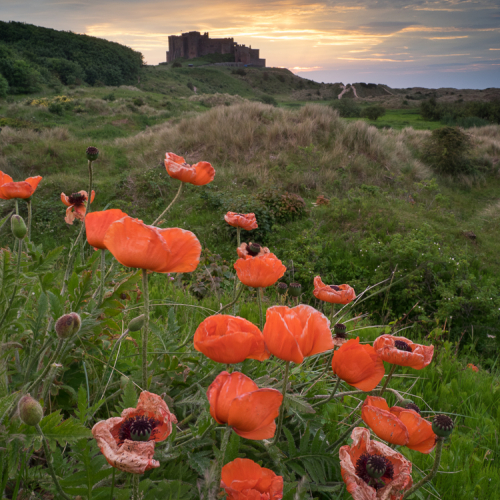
(17, 207)
(432, 473)
(389, 376)
(71, 259)
(238, 236)
(103, 275)
(54, 367)
(89, 195)
(18, 270)
(332, 395)
(48, 458)
(282, 409)
(135, 486)
(145, 291)
(259, 301)
(158, 219)
(28, 202)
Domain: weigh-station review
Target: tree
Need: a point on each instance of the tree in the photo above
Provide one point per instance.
(374, 112)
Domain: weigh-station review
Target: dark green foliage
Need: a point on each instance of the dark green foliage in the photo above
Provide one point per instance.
(447, 151)
(239, 71)
(176, 64)
(460, 112)
(68, 56)
(138, 101)
(190, 86)
(4, 87)
(285, 207)
(347, 108)
(56, 108)
(269, 99)
(374, 112)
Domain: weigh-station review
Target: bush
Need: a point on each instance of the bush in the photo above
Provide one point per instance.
(4, 87)
(374, 112)
(176, 64)
(285, 207)
(138, 101)
(190, 86)
(239, 71)
(109, 97)
(447, 151)
(347, 108)
(56, 108)
(269, 99)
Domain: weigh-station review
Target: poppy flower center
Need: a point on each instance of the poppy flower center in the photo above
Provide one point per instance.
(402, 346)
(340, 331)
(413, 406)
(335, 287)
(139, 428)
(373, 468)
(77, 199)
(253, 249)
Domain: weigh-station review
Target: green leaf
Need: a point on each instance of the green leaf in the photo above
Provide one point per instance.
(298, 403)
(6, 404)
(199, 461)
(56, 305)
(232, 448)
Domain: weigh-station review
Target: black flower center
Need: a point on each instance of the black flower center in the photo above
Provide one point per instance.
(139, 428)
(77, 199)
(335, 287)
(442, 425)
(91, 150)
(402, 346)
(372, 469)
(253, 249)
(340, 331)
(413, 406)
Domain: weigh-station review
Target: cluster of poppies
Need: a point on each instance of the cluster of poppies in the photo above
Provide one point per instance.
(370, 469)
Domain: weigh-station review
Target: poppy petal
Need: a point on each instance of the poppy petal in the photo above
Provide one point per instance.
(205, 173)
(4, 178)
(385, 425)
(255, 409)
(184, 248)
(65, 200)
(241, 474)
(97, 223)
(265, 432)
(33, 182)
(316, 336)
(261, 271)
(12, 190)
(244, 221)
(421, 435)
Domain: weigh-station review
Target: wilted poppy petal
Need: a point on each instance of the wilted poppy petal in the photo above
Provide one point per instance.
(335, 294)
(358, 365)
(377, 402)
(385, 425)
(199, 174)
(243, 221)
(387, 348)
(65, 200)
(185, 250)
(254, 410)
(97, 223)
(421, 435)
(261, 271)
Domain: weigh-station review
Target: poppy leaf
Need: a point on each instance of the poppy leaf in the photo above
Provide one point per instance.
(298, 403)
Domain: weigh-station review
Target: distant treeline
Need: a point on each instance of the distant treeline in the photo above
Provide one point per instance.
(31, 55)
(461, 113)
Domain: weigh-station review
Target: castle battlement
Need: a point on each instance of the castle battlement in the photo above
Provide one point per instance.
(194, 44)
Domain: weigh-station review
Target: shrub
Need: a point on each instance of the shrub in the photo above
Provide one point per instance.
(374, 112)
(190, 86)
(4, 87)
(138, 101)
(281, 78)
(347, 108)
(239, 71)
(109, 97)
(176, 64)
(269, 99)
(56, 108)
(447, 150)
(285, 207)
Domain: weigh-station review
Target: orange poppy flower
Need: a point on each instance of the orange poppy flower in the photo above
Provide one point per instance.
(128, 442)
(134, 244)
(236, 400)
(77, 205)
(244, 221)
(403, 352)
(230, 339)
(358, 365)
(262, 269)
(97, 223)
(293, 333)
(353, 466)
(474, 368)
(335, 294)
(199, 174)
(397, 425)
(243, 479)
(23, 189)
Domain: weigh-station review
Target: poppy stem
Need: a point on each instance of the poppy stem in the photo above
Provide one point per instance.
(233, 302)
(18, 269)
(158, 219)
(71, 259)
(89, 195)
(332, 395)
(332, 313)
(145, 291)
(220, 461)
(389, 376)
(112, 484)
(135, 486)
(17, 207)
(282, 408)
(238, 236)
(432, 473)
(103, 275)
(48, 458)
(28, 202)
(259, 301)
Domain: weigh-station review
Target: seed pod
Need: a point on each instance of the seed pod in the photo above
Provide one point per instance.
(136, 324)
(68, 325)
(92, 153)
(295, 289)
(282, 288)
(340, 330)
(30, 410)
(442, 425)
(19, 229)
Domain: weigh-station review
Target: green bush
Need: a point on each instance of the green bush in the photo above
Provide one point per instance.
(374, 112)
(176, 64)
(269, 99)
(190, 86)
(109, 97)
(239, 71)
(347, 108)
(4, 87)
(447, 151)
(56, 108)
(138, 101)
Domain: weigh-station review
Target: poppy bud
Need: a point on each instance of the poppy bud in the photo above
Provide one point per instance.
(253, 249)
(282, 288)
(136, 324)
(92, 153)
(30, 410)
(68, 325)
(18, 226)
(340, 330)
(442, 425)
(295, 289)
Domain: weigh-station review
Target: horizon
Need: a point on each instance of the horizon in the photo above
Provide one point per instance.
(426, 43)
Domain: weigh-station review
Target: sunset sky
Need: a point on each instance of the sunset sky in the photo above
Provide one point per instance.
(442, 43)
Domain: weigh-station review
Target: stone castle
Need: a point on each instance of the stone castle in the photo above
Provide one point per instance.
(194, 44)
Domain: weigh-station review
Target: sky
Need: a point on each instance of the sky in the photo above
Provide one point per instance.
(401, 43)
